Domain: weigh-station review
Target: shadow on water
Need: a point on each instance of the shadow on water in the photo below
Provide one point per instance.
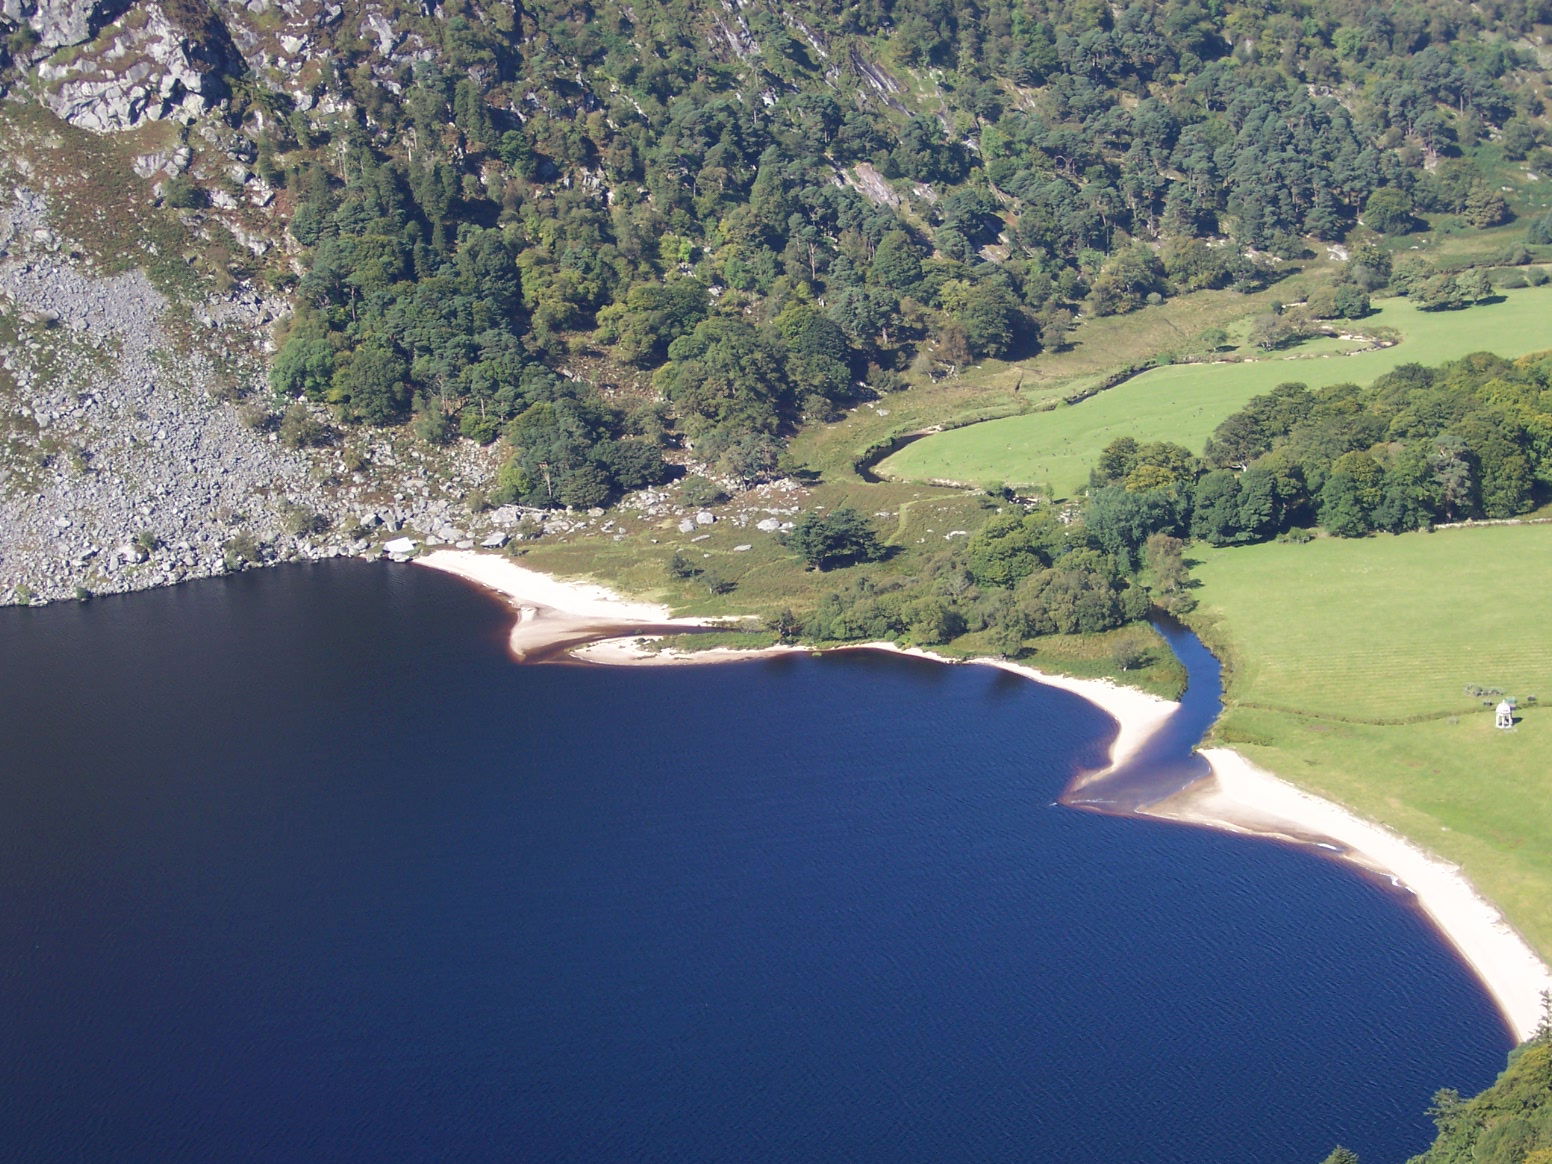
(1168, 762)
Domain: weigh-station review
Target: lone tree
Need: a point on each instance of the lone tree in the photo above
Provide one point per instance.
(839, 538)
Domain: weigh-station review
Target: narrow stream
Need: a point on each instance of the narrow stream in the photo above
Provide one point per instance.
(1168, 762)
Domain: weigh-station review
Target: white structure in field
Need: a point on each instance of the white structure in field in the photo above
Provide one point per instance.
(1504, 715)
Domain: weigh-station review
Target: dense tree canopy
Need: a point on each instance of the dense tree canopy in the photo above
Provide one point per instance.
(1472, 439)
(750, 214)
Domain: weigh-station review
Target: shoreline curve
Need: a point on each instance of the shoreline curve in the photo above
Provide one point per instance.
(596, 625)
(1241, 797)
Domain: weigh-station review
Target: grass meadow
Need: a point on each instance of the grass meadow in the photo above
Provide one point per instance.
(1054, 450)
(1348, 667)
(1001, 388)
(766, 576)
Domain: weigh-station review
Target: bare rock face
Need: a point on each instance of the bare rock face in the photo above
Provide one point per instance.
(60, 23)
(149, 62)
(131, 61)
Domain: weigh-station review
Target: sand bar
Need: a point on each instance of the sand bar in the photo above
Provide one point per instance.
(604, 627)
(1137, 714)
(1240, 797)
(553, 615)
(634, 652)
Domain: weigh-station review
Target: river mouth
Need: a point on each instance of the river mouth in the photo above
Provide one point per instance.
(1168, 762)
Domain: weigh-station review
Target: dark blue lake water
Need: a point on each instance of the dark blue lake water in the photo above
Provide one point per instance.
(298, 866)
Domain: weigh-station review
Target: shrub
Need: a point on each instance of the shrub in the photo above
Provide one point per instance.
(434, 427)
(1129, 653)
(301, 521)
(21, 41)
(182, 194)
(699, 491)
(255, 416)
(241, 549)
(681, 567)
(298, 429)
(481, 429)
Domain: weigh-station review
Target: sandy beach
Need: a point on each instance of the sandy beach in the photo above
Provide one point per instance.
(1137, 714)
(554, 616)
(599, 625)
(1240, 797)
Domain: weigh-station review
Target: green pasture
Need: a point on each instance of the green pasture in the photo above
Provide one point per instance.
(1185, 402)
(1389, 627)
(1348, 668)
(997, 388)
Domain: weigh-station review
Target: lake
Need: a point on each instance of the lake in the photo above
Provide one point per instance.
(298, 865)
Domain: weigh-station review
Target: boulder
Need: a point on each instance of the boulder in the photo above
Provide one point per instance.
(63, 22)
(144, 70)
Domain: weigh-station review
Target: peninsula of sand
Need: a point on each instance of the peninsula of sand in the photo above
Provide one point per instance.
(555, 616)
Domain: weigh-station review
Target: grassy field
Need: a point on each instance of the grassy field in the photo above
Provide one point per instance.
(1330, 643)
(997, 388)
(1387, 628)
(1184, 403)
(766, 576)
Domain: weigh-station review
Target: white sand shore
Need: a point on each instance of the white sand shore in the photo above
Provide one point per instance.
(1240, 797)
(583, 599)
(633, 652)
(552, 614)
(1137, 714)
(604, 627)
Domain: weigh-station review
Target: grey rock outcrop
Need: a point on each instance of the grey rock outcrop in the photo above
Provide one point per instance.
(144, 66)
(62, 23)
(120, 469)
(133, 61)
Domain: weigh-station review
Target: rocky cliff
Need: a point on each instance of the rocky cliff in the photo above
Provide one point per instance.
(138, 441)
(113, 65)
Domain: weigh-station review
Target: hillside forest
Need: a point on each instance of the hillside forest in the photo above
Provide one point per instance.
(617, 238)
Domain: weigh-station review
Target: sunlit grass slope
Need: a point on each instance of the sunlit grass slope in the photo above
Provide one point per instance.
(1333, 642)
(1185, 402)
